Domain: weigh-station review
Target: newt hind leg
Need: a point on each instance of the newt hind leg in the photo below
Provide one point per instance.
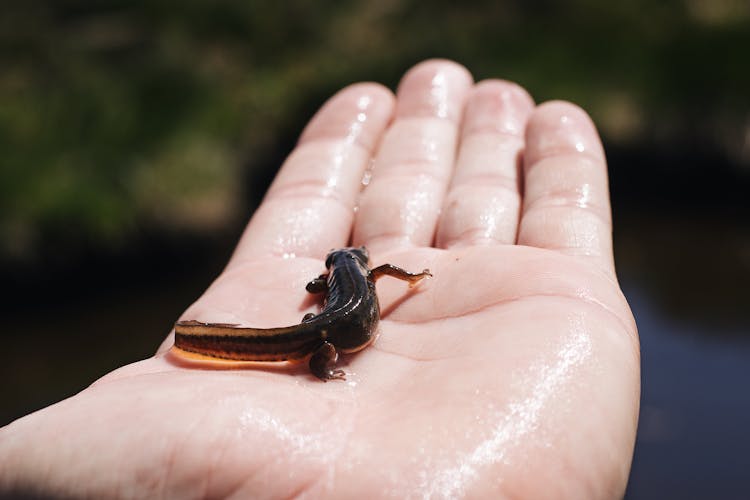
(323, 361)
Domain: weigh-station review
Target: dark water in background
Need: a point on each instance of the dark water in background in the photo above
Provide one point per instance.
(693, 437)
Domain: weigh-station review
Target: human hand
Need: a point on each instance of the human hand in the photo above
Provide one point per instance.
(514, 371)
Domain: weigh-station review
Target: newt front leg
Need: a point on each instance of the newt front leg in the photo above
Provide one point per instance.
(397, 272)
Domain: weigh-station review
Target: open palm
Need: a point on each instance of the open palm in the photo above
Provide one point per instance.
(512, 372)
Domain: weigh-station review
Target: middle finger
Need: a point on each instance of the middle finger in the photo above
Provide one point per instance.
(400, 206)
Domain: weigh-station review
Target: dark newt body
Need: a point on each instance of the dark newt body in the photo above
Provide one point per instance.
(347, 322)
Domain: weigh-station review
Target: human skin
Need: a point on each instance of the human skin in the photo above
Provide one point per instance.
(512, 373)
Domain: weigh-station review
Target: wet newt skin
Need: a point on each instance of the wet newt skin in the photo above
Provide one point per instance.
(347, 323)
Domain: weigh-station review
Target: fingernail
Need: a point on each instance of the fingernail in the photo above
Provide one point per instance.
(434, 89)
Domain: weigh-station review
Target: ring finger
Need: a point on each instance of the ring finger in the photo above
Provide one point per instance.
(483, 203)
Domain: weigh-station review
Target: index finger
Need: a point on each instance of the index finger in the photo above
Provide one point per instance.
(309, 207)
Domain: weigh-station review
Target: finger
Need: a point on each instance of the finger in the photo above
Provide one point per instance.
(400, 206)
(309, 207)
(566, 198)
(483, 202)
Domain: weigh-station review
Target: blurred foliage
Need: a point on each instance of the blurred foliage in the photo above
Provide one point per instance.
(123, 114)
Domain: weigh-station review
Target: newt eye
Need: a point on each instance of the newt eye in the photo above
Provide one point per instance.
(329, 259)
(360, 254)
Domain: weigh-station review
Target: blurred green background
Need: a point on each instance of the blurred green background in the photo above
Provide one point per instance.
(137, 137)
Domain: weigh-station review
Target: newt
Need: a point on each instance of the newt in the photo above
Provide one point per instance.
(347, 322)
